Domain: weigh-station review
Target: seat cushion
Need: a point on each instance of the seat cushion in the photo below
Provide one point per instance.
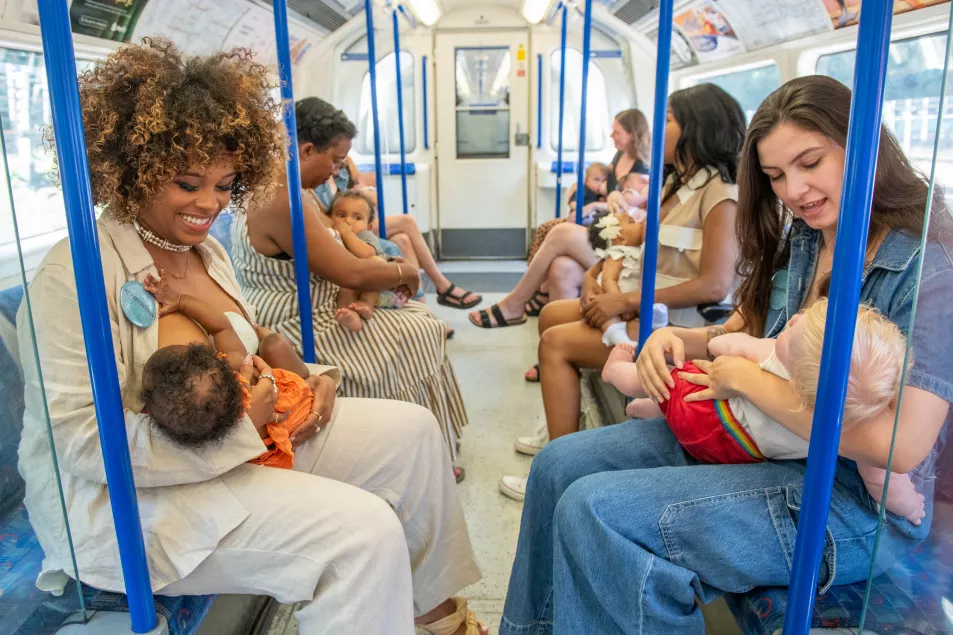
(906, 599)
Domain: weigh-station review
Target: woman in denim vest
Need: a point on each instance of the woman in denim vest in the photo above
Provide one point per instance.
(622, 529)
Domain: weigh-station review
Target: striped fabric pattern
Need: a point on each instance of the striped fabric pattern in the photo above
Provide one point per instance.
(737, 431)
(399, 354)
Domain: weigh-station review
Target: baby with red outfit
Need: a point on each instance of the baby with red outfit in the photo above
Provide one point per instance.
(735, 431)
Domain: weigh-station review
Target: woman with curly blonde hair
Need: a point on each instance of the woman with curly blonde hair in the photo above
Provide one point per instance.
(365, 538)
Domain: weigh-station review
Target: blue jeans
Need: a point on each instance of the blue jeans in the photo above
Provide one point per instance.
(622, 530)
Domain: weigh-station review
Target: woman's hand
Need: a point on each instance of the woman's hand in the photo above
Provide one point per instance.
(264, 395)
(723, 377)
(617, 203)
(652, 366)
(590, 289)
(322, 406)
(604, 307)
(167, 298)
(409, 277)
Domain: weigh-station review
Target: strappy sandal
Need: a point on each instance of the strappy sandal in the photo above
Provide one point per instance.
(459, 474)
(501, 320)
(450, 624)
(456, 302)
(526, 374)
(535, 305)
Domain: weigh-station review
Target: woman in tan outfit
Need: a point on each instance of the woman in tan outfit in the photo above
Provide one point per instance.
(367, 531)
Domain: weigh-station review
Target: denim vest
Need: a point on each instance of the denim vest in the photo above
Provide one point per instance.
(889, 284)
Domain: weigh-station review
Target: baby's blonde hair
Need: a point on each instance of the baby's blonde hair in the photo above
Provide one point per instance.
(876, 362)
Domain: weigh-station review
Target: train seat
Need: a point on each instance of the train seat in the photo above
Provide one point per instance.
(24, 609)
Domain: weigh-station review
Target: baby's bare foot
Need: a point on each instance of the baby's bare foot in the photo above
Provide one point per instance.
(643, 409)
(362, 308)
(348, 319)
(621, 354)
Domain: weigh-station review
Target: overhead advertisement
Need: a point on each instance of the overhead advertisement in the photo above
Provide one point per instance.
(105, 19)
(762, 23)
(845, 12)
(197, 37)
(709, 32)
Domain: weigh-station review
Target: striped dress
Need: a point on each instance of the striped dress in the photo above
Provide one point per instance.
(399, 355)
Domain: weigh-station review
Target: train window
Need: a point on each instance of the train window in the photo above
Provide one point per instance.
(387, 106)
(483, 102)
(911, 97)
(749, 86)
(598, 117)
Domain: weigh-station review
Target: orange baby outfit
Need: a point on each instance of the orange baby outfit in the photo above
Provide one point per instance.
(294, 397)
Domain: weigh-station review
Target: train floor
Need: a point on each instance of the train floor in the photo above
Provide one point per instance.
(489, 367)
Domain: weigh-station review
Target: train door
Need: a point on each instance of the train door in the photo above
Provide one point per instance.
(483, 125)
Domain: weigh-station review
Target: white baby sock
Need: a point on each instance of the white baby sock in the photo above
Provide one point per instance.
(616, 334)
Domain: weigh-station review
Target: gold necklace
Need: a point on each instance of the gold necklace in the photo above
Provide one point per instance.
(173, 274)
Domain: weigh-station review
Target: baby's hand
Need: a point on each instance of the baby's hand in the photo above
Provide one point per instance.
(167, 298)
(341, 226)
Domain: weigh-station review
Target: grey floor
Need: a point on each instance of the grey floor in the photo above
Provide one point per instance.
(489, 367)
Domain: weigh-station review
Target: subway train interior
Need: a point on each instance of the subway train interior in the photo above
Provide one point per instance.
(451, 168)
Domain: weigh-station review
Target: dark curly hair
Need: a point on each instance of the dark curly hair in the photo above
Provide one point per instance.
(193, 395)
(321, 124)
(150, 113)
(356, 196)
(595, 240)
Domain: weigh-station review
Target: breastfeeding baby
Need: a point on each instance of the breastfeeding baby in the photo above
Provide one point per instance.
(735, 431)
(196, 394)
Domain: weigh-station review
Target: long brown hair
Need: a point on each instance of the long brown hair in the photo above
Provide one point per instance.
(635, 123)
(817, 104)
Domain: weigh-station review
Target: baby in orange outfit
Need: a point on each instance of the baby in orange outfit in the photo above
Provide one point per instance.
(195, 394)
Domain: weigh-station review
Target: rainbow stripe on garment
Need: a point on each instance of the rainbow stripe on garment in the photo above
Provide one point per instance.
(737, 431)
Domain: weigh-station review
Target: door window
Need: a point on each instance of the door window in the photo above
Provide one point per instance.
(483, 102)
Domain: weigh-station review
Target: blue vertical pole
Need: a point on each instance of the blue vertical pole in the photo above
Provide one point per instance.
(375, 114)
(539, 101)
(400, 114)
(660, 110)
(562, 112)
(863, 141)
(93, 310)
(581, 168)
(293, 169)
(423, 80)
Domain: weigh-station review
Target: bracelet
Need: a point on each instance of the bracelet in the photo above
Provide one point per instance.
(400, 275)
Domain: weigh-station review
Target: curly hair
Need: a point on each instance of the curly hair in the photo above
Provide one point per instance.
(150, 113)
(321, 124)
(192, 395)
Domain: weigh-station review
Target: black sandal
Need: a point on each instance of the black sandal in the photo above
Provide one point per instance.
(456, 302)
(534, 307)
(501, 321)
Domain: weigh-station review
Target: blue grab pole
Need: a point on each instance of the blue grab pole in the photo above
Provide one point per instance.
(659, 113)
(863, 141)
(302, 273)
(423, 81)
(539, 101)
(562, 111)
(400, 115)
(375, 114)
(581, 168)
(93, 311)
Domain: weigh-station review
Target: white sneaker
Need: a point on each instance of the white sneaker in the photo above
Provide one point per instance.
(532, 445)
(514, 487)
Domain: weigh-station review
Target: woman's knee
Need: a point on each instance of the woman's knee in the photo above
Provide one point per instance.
(552, 346)
(564, 233)
(402, 240)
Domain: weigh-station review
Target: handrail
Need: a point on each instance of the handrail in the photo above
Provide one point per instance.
(659, 114)
(375, 115)
(562, 109)
(400, 116)
(423, 81)
(93, 310)
(860, 164)
(539, 101)
(293, 169)
(586, 49)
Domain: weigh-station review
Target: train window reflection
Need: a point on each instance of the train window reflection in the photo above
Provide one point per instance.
(598, 117)
(911, 98)
(749, 86)
(387, 105)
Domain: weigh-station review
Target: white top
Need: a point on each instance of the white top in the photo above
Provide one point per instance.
(245, 331)
(774, 440)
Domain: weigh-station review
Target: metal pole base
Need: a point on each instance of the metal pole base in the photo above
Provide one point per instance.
(109, 623)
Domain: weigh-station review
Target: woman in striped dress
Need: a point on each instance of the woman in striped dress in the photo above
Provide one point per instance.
(399, 355)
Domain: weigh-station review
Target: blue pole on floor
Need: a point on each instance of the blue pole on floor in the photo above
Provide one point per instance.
(659, 113)
(581, 167)
(863, 141)
(562, 110)
(93, 310)
(375, 114)
(400, 114)
(293, 170)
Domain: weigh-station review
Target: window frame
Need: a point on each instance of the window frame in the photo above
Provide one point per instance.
(553, 128)
(410, 136)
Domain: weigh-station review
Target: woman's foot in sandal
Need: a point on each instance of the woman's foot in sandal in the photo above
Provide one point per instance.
(452, 617)
(457, 298)
(536, 304)
(532, 375)
(498, 315)
(459, 474)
